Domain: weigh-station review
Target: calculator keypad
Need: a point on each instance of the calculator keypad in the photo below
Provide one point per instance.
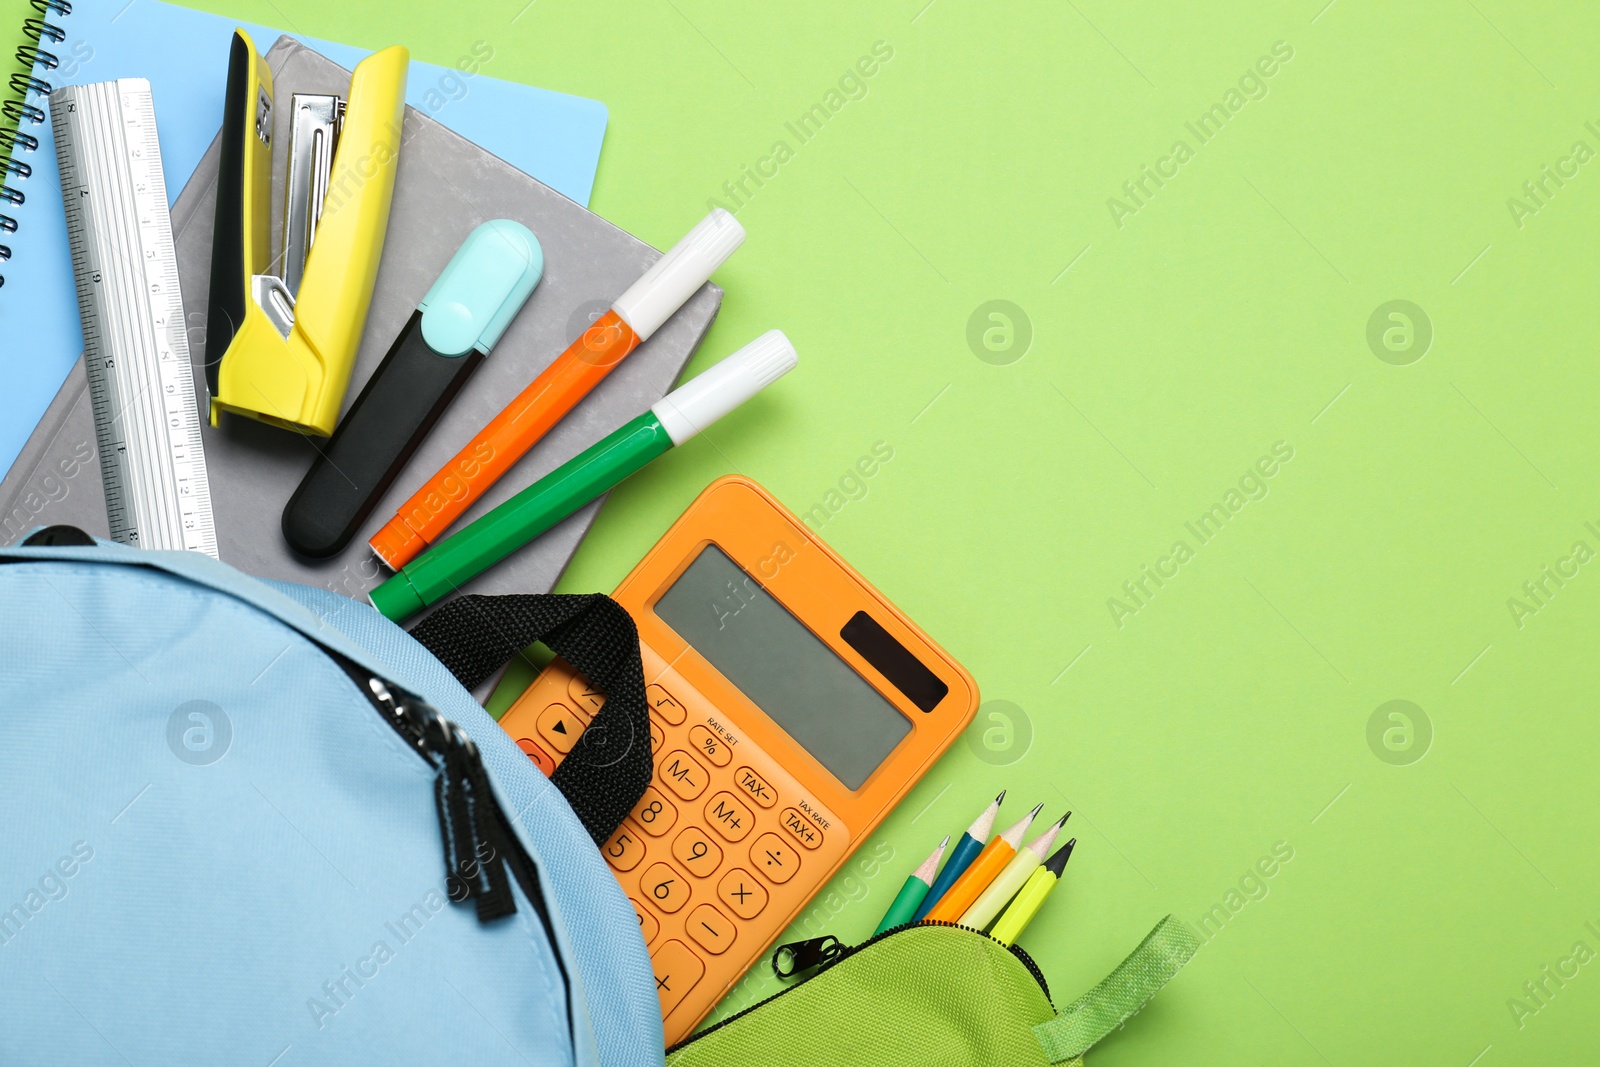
(715, 856)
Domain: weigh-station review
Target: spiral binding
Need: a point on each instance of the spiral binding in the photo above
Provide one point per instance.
(21, 111)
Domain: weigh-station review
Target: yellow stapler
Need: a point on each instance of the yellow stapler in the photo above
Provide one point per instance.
(282, 333)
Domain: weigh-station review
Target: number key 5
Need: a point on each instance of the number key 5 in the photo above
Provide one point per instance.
(625, 849)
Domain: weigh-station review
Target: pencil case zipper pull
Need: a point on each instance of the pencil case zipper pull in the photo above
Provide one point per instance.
(798, 956)
(475, 849)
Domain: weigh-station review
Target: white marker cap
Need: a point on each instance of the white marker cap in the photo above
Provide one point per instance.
(676, 276)
(707, 397)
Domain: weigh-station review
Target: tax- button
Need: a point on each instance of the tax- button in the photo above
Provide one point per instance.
(731, 818)
(677, 970)
(664, 887)
(803, 829)
(775, 858)
(710, 746)
(755, 787)
(710, 928)
(683, 775)
(666, 704)
(742, 893)
(560, 726)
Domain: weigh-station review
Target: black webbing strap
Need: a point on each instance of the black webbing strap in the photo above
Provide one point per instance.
(607, 771)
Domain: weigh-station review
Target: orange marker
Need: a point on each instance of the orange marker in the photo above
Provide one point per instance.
(990, 862)
(633, 318)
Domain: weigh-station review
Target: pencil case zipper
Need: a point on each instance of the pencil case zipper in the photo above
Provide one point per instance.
(821, 954)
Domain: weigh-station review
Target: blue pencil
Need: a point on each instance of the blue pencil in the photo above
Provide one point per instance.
(961, 856)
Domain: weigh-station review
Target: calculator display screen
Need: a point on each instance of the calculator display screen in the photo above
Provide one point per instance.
(784, 668)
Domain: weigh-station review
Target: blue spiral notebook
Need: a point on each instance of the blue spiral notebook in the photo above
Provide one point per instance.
(552, 136)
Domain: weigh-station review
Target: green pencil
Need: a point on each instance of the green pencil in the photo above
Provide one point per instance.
(910, 897)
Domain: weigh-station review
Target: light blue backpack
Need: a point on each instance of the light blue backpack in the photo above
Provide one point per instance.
(237, 831)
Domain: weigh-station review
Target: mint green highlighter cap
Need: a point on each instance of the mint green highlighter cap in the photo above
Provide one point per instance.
(485, 284)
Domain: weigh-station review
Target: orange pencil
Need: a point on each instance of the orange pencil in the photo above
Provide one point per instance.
(990, 862)
(633, 318)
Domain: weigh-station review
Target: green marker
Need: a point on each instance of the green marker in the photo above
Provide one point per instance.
(905, 905)
(671, 421)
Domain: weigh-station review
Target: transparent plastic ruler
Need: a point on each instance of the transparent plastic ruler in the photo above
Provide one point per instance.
(136, 350)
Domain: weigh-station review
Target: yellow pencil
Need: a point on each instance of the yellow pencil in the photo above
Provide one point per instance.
(1031, 896)
(1008, 881)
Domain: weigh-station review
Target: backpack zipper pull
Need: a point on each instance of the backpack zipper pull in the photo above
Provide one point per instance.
(475, 854)
(789, 960)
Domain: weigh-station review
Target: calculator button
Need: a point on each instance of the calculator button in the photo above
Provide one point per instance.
(664, 887)
(710, 746)
(731, 818)
(655, 812)
(755, 787)
(683, 775)
(743, 895)
(666, 704)
(711, 929)
(560, 727)
(541, 758)
(648, 924)
(586, 696)
(801, 828)
(677, 970)
(775, 858)
(625, 849)
(658, 737)
(699, 855)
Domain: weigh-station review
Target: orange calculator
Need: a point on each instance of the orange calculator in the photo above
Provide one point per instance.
(791, 707)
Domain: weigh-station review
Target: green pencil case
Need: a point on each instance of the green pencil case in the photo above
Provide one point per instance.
(938, 994)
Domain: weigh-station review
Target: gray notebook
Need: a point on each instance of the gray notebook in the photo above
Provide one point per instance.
(446, 186)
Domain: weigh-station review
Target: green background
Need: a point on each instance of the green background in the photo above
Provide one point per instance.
(1168, 354)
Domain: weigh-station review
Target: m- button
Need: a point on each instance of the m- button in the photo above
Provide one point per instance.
(682, 774)
(677, 970)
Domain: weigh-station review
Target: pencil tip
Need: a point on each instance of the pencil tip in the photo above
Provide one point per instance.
(945, 842)
(1037, 808)
(1064, 819)
(1001, 798)
(1058, 860)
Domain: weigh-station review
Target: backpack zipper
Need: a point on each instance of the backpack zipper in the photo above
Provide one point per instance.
(480, 845)
(826, 952)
